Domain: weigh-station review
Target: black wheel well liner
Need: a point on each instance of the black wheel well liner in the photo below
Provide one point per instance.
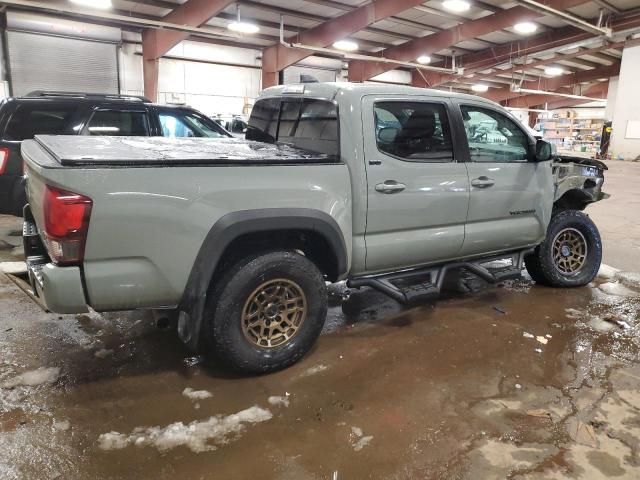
(574, 199)
(241, 225)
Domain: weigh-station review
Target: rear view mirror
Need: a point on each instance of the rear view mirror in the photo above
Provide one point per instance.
(544, 150)
(387, 134)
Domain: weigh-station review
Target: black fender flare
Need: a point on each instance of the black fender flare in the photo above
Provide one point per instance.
(226, 230)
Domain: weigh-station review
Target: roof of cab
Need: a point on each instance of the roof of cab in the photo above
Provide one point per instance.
(331, 90)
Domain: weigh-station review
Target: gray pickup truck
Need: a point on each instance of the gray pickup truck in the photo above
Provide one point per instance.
(383, 186)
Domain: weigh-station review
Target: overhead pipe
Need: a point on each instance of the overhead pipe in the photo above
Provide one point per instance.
(557, 94)
(567, 17)
(359, 56)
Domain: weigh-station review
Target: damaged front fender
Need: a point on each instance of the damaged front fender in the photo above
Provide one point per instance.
(578, 182)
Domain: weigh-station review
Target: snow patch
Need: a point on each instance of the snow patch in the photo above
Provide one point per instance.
(61, 425)
(196, 435)
(618, 289)
(607, 271)
(192, 394)
(279, 401)
(527, 335)
(359, 440)
(313, 370)
(33, 378)
(13, 267)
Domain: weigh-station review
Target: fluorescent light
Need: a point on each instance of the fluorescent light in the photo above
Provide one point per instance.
(525, 28)
(456, 5)
(424, 59)
(479, 87)
(553, 71)
(94, 3)
(346, 45)
(243, 27)
(557, 94)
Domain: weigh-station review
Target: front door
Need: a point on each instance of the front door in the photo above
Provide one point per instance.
(511, 195)
(417, 191)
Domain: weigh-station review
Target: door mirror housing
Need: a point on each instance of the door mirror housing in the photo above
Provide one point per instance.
(544, 150)
(387, 134)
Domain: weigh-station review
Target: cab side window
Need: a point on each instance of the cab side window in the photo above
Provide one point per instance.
(413, 131)
(493, 137)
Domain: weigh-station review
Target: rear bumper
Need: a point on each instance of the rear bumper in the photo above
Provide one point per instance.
(59, 288)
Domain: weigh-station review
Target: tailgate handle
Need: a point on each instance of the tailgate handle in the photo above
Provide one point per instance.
(483, 182)
(390, 186)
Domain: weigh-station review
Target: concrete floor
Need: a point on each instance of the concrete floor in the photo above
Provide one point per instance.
(516, 381)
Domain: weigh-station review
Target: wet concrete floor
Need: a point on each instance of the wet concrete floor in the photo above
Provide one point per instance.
(515, 381)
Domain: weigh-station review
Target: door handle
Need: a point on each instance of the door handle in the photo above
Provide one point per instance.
(390, 186)
(483, 182)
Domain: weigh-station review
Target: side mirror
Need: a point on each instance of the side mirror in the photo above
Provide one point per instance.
(387, 134)
(544, 150)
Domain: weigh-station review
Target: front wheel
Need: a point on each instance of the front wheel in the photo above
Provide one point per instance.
(266, 312)
(571, 253)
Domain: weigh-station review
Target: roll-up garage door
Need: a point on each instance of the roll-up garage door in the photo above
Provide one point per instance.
(44, 62)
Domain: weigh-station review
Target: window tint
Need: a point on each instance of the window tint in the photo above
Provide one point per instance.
(414, 131)
(30, 120)
(114, 123)
(263, 124)
(493, 137)
(182, 124)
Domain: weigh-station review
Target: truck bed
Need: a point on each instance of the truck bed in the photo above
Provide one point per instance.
(101, 152)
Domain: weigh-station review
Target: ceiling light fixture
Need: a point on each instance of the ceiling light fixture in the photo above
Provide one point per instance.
(479, 87)
(104, 4)
(243, 27)
(525, 28)
(553, 71)
(456, 5)
(346, 45)
(424, 59)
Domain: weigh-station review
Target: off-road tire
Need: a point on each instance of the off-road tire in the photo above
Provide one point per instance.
(226, 340)
(541, 265)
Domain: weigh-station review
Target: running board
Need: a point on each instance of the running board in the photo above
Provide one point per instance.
(420, 284)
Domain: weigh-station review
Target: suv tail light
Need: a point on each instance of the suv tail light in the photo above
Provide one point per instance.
(4, 159)
(66, 220)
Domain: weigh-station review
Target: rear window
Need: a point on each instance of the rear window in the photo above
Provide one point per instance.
(307, 123)
(30, 120)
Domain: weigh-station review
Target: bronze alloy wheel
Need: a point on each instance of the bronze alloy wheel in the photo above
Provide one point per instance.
(569, 251)
(274, 313)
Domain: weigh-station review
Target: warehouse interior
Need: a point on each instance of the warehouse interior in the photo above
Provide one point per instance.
(492, 378)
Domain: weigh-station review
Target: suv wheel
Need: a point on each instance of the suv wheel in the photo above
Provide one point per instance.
(266, 312)
(570, 255)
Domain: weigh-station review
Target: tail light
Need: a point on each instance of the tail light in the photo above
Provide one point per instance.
(66, 220)
(4, 159)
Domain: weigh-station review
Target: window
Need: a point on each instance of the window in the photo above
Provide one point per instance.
(493, 137)
(415, 131)
(263, 124)
(118, 123)
(307, 123)
(182, 124)
(30, 120)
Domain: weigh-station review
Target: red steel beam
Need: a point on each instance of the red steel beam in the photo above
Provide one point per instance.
(156, 43)
(361, 70)
(278, 57)
(555, 83)
(491, 57)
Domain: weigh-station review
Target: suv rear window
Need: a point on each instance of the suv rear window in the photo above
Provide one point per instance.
(113, 123)
(30, 120)
(306, 123)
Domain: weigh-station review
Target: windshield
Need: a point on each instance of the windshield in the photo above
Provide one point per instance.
(178, 124)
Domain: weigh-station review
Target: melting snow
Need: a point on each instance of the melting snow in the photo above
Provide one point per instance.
(61, 425)
(32, 378)
(13, 267)
(284, 401)
(313, 370)
(192, 394)
(527, 335)
(360, 441)
(103, 353)
(542, 340)
(195, 435)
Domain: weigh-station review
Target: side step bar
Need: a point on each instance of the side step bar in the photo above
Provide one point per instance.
(413, 285)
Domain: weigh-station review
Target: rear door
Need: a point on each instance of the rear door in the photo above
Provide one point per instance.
(418, 190)
(511, 195)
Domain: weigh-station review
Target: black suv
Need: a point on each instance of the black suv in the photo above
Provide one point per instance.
(62, 113)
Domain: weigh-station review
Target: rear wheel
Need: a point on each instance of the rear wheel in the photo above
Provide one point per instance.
(570, 255)
(266, 312)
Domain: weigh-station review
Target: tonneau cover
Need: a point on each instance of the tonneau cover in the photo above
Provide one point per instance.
(149, 151)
